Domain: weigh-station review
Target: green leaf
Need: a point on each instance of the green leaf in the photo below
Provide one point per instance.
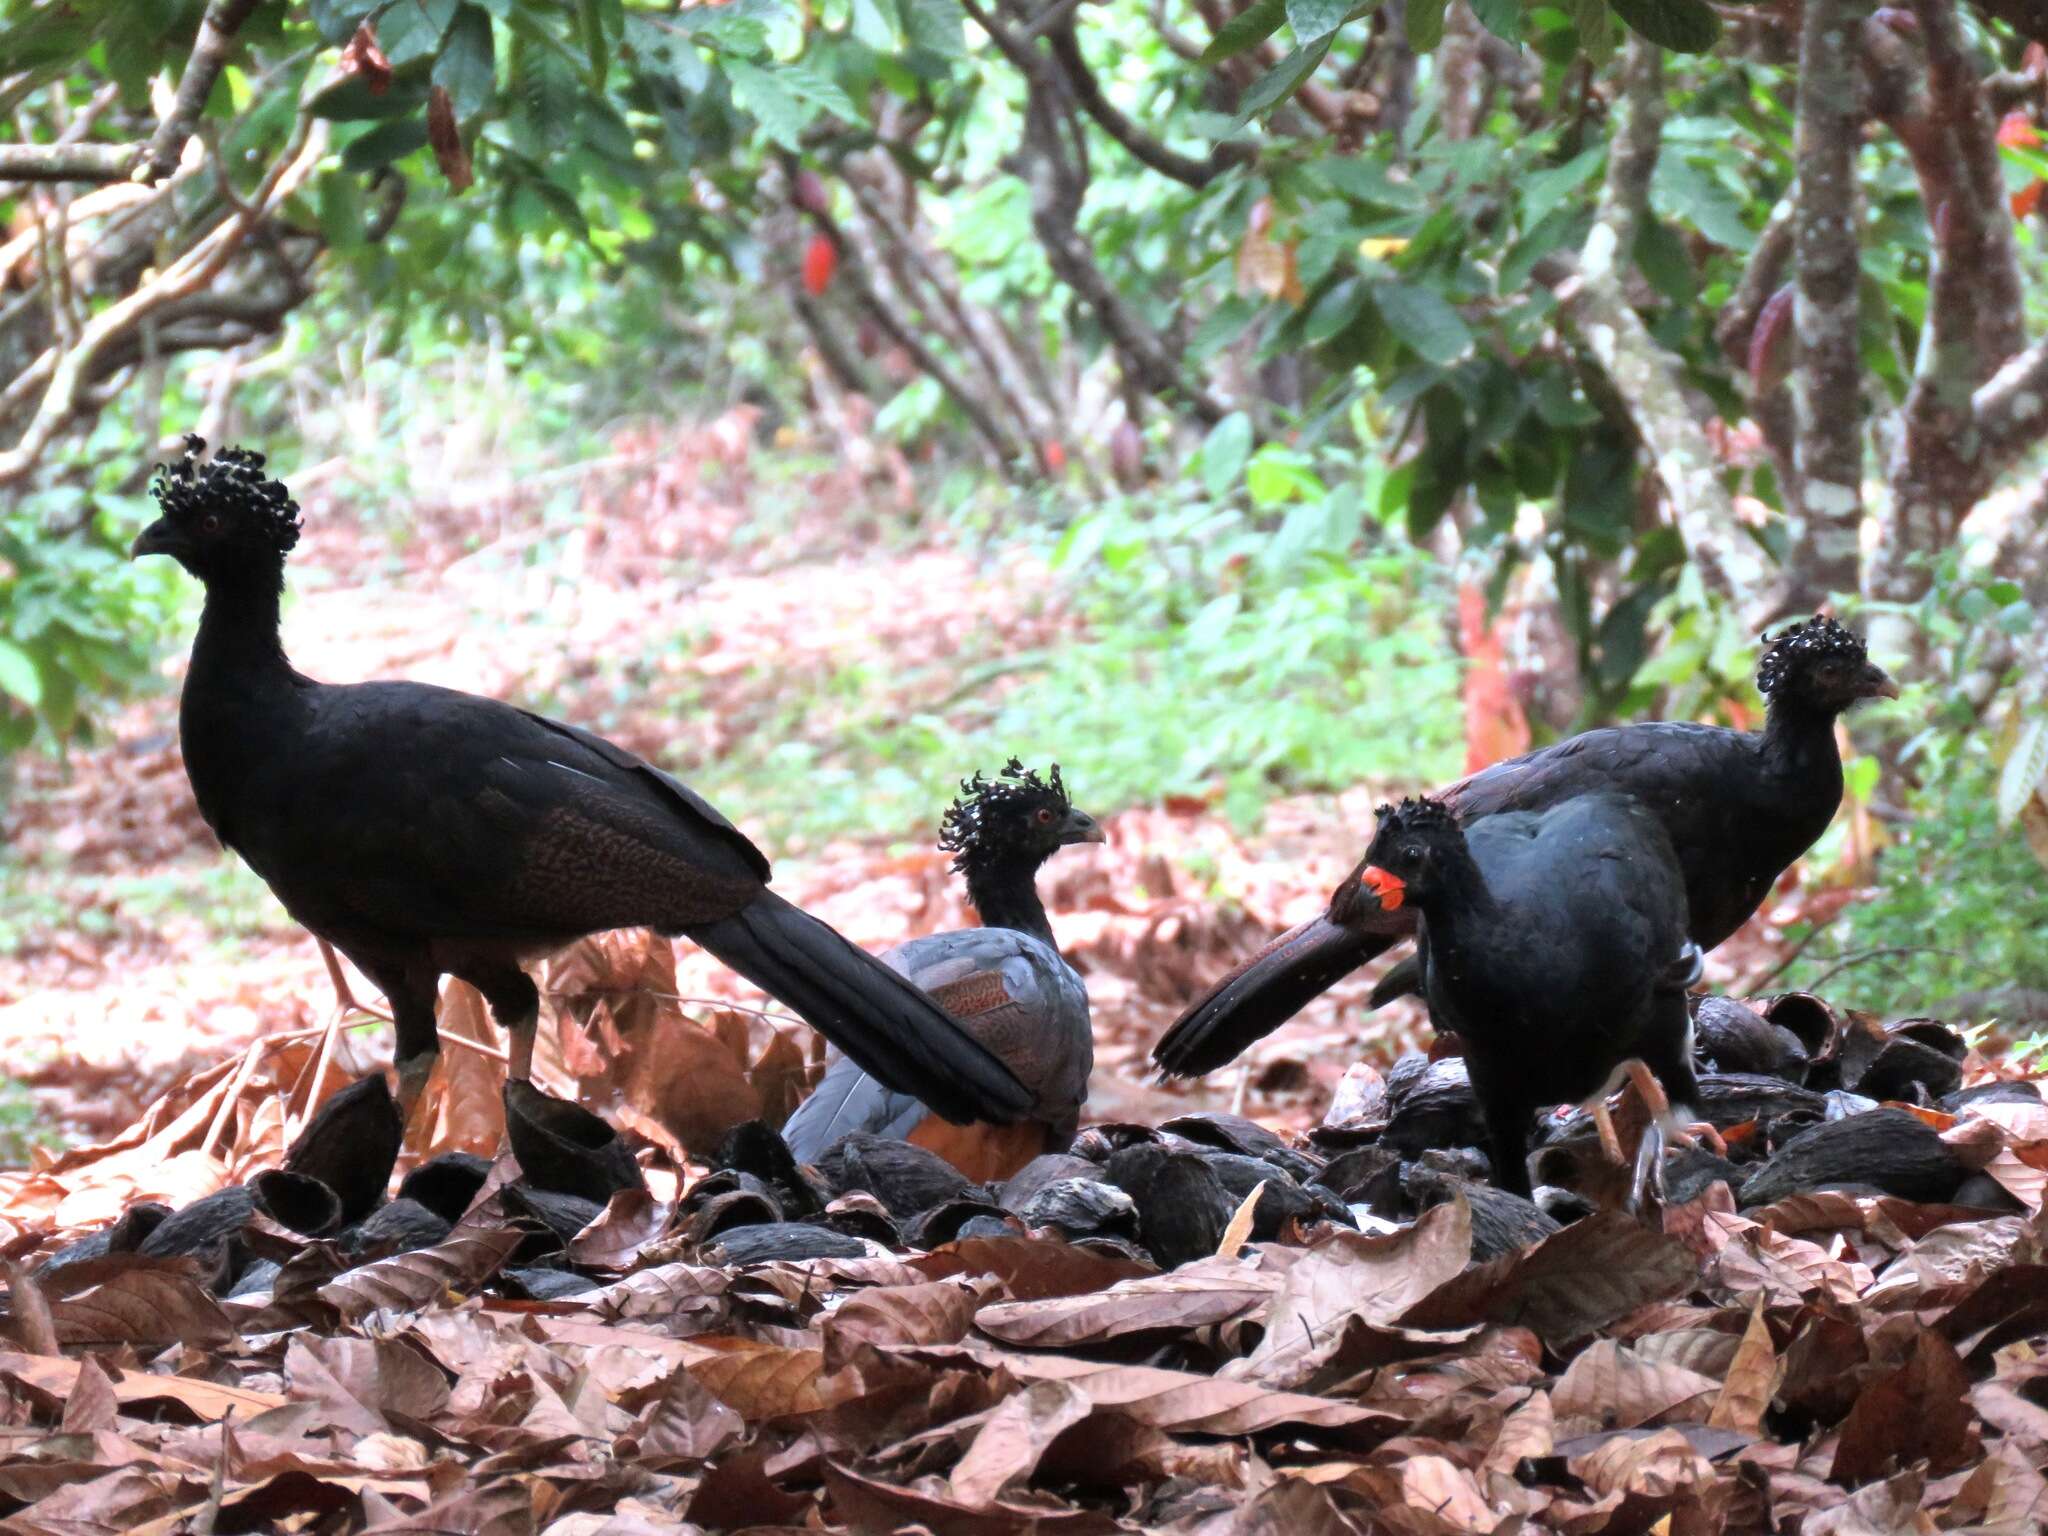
(2021, 778)
(1425, 24)
(1282, 80)
(805, 81)
(1247, 29)
(781, 115)
(383, 144)
(338, 19)
(1503, 18)
(1312, 19)
(875, 24)
(1334, 311)
(18, 675)
(1683, 26)
(1544, 190)
(1224, 452)
(410, 30)
(590, 20)
(467, 69)
(1425, 320)
(1594, 23)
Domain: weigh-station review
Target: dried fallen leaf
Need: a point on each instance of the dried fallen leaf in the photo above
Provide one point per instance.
(1752, 1378)
(405, 1282)
(1571, 1284)
(1197, 1295)
(1014, 1437)
(1919, 1412)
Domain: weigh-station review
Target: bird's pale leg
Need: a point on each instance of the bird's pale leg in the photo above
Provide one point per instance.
(1610, 1139)
(413, 1073)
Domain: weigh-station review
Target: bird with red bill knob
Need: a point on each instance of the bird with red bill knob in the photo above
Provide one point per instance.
(1554, 944)
(1739, 807)
(1388, 889)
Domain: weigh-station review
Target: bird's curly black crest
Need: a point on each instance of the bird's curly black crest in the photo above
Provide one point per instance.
(1417, 815)
(232, 482)
(983, 799)
(1801, 644)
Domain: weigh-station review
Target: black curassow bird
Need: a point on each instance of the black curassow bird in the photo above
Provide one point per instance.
(1006, 981)
(1738, 806)
(426, 832)
(1554, 943)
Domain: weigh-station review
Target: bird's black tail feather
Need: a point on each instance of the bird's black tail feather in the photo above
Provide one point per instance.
(1264, 993)
(896, 1033)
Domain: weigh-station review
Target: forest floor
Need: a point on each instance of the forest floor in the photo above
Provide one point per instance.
(1354, 1344)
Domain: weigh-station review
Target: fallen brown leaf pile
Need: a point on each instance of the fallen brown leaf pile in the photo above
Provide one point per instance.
(1836, 1358)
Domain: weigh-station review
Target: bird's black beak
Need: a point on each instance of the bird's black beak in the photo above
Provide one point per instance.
(1876, 683)
(1080, 827)
(159, 538)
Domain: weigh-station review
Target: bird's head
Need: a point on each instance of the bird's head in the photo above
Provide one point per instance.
(1822, 666)
(1408, 851)
(221, 518)
(1015, 818)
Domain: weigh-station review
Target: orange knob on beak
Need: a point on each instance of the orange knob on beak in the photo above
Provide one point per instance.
(1388, 889)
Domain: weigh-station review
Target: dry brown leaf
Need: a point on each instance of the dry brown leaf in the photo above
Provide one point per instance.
(1620, 1389)
(1751, 1380)
(1014, 1437)
(760, 1381)
(1661, 1466)
(442, 132)
(1347, 1280)
(668, 1291)
(151, 1307)
(1780, 1270)
(358, 1381)
(936, 1312)
(405, 1282)
(868, 1504)
(1028, 1268)
(1183, 1402)
(1528, 1432)
(685, 1424)
(1197, 1295)
(632, 1220)
(1238, 1231)
(29, 1321)
(1921, 1411)
(1881, 1509)
(205, 1399)
(1569, 1285)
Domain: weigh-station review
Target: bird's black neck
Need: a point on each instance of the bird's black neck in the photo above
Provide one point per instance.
(1004, 891)
(238, 632)
(1457, 896)
(1799, 739)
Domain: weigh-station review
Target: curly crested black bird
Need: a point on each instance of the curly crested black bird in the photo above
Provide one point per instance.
(1554, 943)
(1005, 981)
(1738, 806)
(425, 832)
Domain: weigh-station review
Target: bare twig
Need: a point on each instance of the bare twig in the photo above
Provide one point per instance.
(217, 29)
(1142, 147)
(66, 162)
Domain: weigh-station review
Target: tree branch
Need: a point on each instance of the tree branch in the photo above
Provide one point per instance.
(66, 162)
(1828, 386)
(217, 29)
(1649, 379)
(70, 371)
(1147, 151)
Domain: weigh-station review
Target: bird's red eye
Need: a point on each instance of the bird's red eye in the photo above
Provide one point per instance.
(1044, 816)
(209, 523)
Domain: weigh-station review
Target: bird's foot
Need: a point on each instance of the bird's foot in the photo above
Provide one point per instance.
(1695, 1133)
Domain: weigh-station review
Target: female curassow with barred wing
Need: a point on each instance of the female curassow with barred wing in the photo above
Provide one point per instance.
(1738, 806)
(1006, 981)
(425, 832)
(1554, 943)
